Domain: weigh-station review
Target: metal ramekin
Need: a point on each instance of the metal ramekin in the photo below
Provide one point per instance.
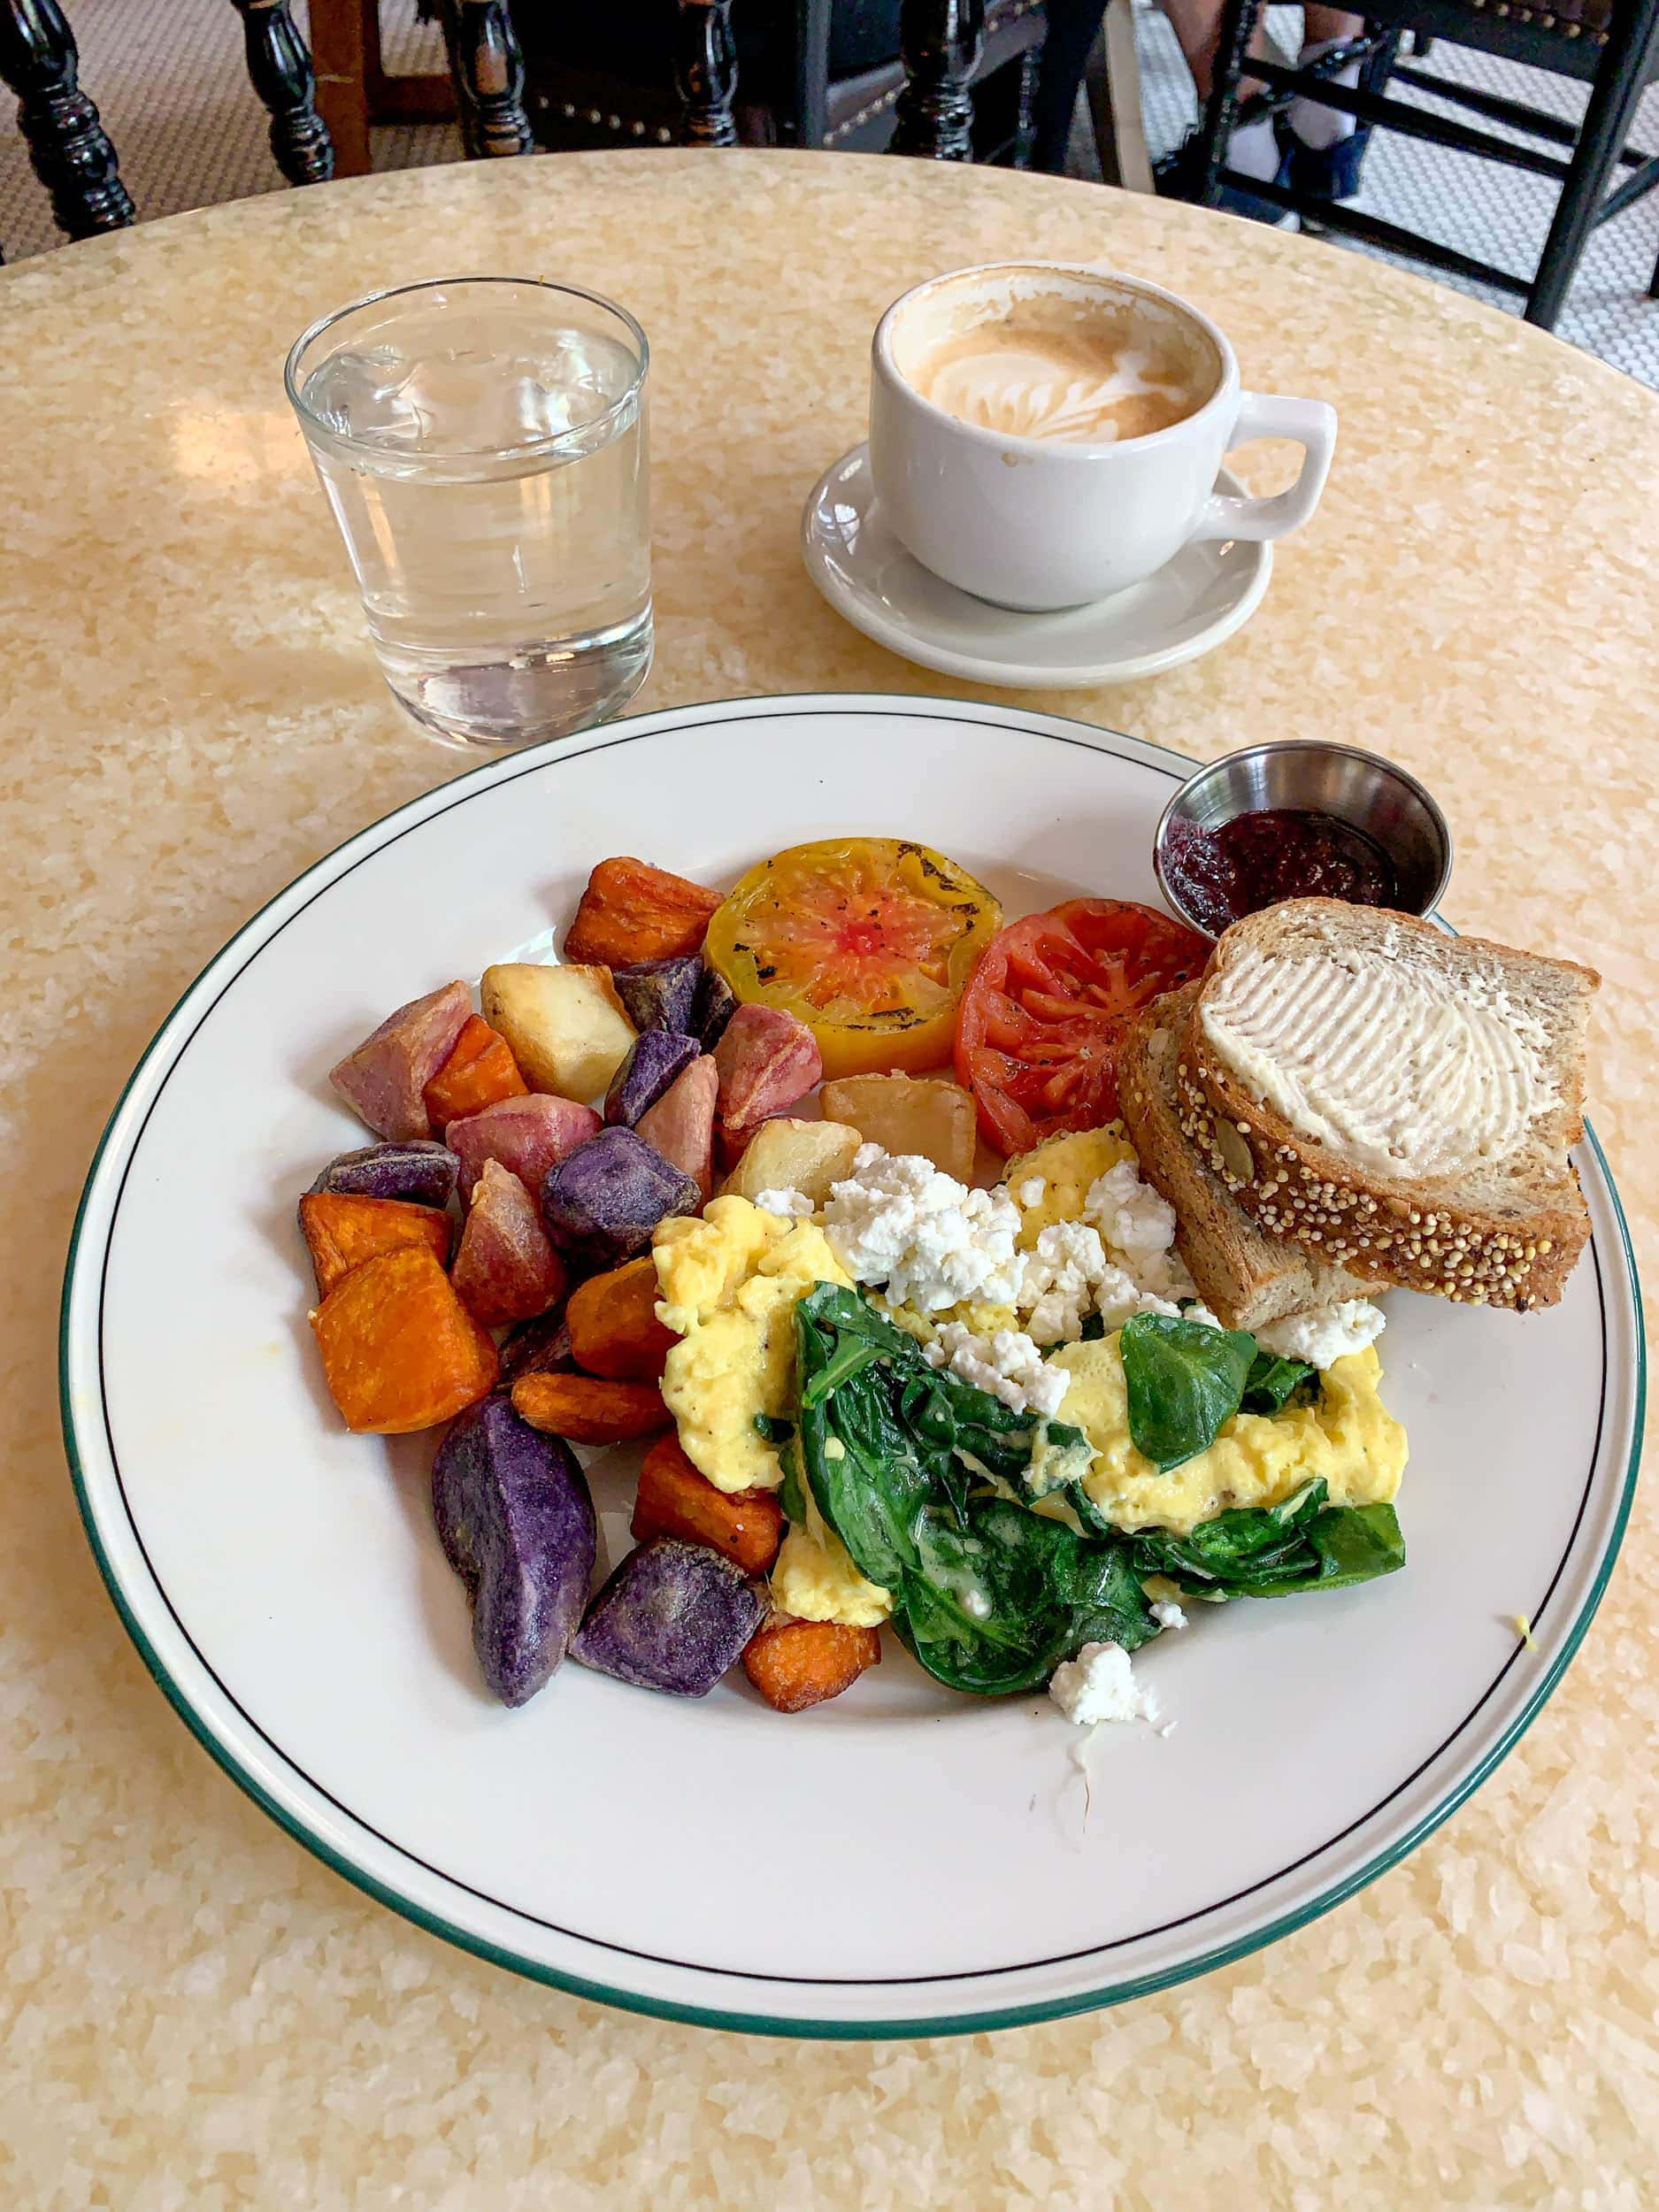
(1369, 793)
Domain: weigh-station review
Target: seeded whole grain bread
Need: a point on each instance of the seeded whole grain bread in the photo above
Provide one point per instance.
(1503, 1232)
(1244, 1276)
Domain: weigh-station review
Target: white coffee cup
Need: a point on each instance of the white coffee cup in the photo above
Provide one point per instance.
(1044, 522)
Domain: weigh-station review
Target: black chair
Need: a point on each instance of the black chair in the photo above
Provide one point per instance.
(798, 72)
(68, 146)
(1608, 44)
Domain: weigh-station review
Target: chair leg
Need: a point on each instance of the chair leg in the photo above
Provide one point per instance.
(71, 154)
(1113, 79)
(939, 41)
(345, 54)
(1618, 86)
(705, 71)
(280, 70)
(1232, 44)
(488, 66)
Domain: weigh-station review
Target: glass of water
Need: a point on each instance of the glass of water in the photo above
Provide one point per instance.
(482, 442)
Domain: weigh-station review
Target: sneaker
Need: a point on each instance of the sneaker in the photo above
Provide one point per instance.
(1175, 176)
(1324, 172)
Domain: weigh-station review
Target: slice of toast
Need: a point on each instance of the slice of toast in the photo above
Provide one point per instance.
(1245, 1277)
(1395, 1098)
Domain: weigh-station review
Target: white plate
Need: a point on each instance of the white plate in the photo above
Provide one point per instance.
(900, 1861)
(1192, 604)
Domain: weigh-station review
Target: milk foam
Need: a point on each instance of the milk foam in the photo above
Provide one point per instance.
(1028, 390)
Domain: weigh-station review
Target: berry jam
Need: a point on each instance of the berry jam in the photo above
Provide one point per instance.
(1256, 860)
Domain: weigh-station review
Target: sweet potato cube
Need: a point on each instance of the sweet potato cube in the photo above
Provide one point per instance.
(797, 1663)
(680, 1125)
(506, 1269)
(586, 1410)
(674, 1499)
(632, 912)
(399, 1349)
(384, 1080)
(343, 1231)
(613, 1325)
(766, 1060)
(480, 1072)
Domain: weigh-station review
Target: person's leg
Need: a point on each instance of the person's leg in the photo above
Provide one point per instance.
(1324, 27)
(1197, 28)
(1252, 151)
(1073, 27)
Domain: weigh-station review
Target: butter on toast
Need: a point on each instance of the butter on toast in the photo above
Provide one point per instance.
(1394, 1098)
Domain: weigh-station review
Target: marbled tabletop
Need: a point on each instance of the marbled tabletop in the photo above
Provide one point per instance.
(196, 2014)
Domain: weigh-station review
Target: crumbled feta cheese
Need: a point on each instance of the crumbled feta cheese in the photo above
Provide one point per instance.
(1139, 1227)
(898, 1220)
(794, 1205)
(1058, 1280)
(1167, 1614)
(1031, 1191)
(1327, 1334)
(1117, 1298)
(1008, 1365)
(1100, 1684)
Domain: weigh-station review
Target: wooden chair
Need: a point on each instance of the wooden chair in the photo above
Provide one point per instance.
(1612, 45)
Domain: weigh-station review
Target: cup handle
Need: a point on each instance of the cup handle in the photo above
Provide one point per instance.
(1265, 415)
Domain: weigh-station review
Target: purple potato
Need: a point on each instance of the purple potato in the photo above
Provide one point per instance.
(672, 1618)
(714, 1007)
(516, 1523)
(419, 1169)
(661, 993)
(602, 1202)
(542, 1347)
(655, 1058)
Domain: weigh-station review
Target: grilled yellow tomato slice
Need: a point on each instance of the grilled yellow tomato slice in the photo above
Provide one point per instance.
(869, 941)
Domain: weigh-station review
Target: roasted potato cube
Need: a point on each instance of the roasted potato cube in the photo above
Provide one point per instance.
(803, 1156)
(632, 912)
(565, 1027)
(908, 1113)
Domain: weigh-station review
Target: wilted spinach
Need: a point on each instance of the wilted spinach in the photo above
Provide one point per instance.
(1269, 1551)
(925, 1481)
(1184, 1380)
(1272, 1384)
(908, 1465)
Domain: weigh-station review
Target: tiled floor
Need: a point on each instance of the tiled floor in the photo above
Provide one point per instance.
(168, 77)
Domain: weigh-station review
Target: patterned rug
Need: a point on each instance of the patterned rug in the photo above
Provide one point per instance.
(168, 78)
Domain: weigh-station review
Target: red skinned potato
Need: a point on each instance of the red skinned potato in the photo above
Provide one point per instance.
(680, 1125)
(766, 1060)
(526, 1135)
(384, 1080)
(506, 1269)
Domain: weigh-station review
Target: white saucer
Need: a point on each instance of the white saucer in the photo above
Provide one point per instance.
(1201, 596)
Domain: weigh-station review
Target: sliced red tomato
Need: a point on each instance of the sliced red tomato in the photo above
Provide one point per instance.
(1038, 1035)
(869, 940)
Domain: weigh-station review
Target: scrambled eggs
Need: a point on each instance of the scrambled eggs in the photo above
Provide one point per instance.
(816, 1578)
(1348, 1436)
(1069, 1167)
(730, 1283)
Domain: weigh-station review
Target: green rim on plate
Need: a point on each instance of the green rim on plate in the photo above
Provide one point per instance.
(759, 2023)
